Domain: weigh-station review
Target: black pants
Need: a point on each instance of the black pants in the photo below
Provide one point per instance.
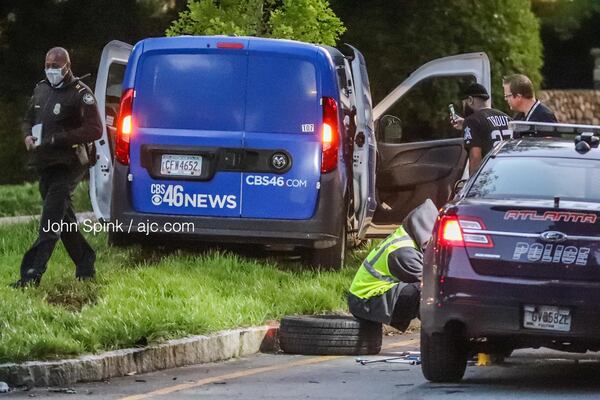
(57, 184)
(407, 306)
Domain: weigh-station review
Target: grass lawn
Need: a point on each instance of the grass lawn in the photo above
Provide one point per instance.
(143, 296)
(25, 199)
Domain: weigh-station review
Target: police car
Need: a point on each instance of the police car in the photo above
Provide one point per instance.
(515, 259)
(260, 141)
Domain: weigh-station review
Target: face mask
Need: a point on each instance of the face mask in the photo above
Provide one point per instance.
(55, 75)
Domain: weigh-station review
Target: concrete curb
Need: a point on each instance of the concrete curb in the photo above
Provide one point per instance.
(174, 353)
(26, 218)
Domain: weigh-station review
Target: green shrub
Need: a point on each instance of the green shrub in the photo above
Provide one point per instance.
(306, 20)
(397, 37)
(13, 156)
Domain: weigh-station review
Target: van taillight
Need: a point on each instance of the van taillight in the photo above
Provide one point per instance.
(329, 136)
(462, 231)
(124, 127)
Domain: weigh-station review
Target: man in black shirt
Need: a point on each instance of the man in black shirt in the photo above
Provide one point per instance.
(482, 126)
(62, 116)
(520, 96)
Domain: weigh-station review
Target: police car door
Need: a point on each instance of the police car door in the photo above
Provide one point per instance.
(111, 72)
(364, 150)
(415, 165)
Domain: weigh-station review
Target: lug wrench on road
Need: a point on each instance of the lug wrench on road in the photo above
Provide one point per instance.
(407, 357)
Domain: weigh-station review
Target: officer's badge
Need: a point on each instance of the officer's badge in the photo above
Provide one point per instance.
(56, 109)
(88, 99)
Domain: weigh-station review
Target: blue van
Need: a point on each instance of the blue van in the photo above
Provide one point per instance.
(244, 140)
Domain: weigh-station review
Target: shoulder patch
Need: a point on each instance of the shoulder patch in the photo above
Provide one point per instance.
(88, 99)
(467, 135)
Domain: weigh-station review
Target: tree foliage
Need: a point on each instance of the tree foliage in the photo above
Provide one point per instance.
(397, 37)
(306, 20)
(28, 29)
(564, 16)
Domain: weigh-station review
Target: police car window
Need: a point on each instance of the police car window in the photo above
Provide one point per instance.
(538, 178)
(282, 95)
(423, 111)
(191, 91)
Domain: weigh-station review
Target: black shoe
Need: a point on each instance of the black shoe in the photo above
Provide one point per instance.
(86, 277)
(23, 283)
(86, 271)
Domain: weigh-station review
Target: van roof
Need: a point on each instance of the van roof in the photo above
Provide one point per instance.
(249, 43)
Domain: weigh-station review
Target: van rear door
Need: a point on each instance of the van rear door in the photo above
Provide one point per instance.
(282, 148)
(188, 139)
(111, 72)
(364, 149)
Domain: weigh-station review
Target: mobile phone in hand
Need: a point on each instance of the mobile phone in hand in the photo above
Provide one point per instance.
(453, 115)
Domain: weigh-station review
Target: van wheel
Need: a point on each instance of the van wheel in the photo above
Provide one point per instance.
(331, 257)
(329, 335)
(443, 356)
(118, 239)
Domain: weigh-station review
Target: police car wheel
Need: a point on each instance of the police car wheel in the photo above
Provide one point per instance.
(329, 335)
(443, 356)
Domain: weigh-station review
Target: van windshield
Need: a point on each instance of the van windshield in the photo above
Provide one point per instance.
(227, 92)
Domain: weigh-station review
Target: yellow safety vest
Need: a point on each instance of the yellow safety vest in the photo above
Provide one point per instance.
(373, 278)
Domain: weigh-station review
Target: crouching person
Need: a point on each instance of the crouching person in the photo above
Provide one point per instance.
(386, 287)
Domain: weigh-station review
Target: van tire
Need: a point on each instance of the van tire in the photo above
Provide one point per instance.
(329, 335)
(331, 257)
(443, 356)
(118, 239)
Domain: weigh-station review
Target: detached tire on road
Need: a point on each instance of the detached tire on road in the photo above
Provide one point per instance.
(329, 335)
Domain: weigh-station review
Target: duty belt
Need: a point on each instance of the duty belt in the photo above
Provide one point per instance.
(368, 264)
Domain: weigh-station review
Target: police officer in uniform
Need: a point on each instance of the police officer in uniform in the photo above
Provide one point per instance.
(64, 111)
(386, 287)
(482, 126)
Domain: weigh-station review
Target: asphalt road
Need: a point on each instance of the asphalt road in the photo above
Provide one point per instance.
(528, 374)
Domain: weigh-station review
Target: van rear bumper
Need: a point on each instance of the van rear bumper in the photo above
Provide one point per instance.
(320, 231)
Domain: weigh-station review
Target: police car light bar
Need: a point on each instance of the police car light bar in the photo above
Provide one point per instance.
(587, 136)
(545, 127)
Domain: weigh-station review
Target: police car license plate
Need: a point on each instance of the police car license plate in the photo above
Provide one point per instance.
(547, 317)
(180, 165)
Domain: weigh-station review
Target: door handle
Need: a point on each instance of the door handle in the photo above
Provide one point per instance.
(360, 139)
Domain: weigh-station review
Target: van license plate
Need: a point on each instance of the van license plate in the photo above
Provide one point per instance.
(180, 165)
(547, 317)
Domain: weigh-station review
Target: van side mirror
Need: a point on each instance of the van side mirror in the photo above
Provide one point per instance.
(389, 129)
(458, 187)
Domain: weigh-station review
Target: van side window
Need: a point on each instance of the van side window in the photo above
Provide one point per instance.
(114, 83)
(422, 113)
(342, 80)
